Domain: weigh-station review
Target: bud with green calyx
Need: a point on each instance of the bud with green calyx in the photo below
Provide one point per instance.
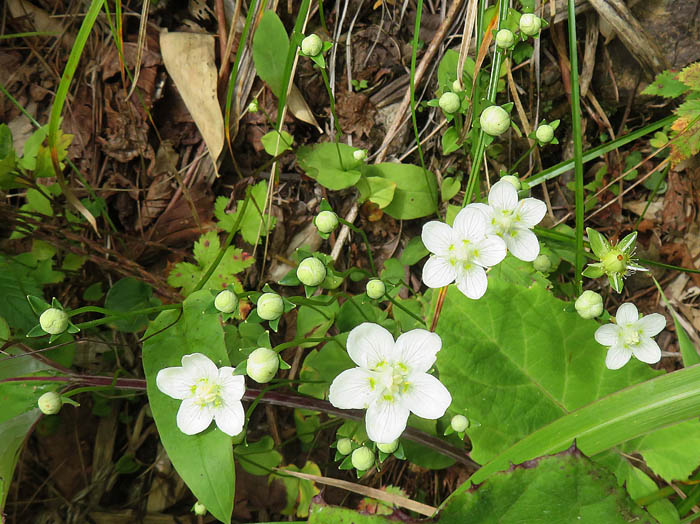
(311, 46)
(362, 458)
(270, 306)
(375, 289)
(253, 107)
(615, 262)
(226, 301)
(542, 263)
(344, 446)
(530, 24)
(505, 38)
(50, 403)
(311, 271)
(54, 321)
(262, 365)
(199, 509)
(514, 181)
(494, 120)
(450, 103)
(544, 134)
(360, 155)
(457, 86)
(388, 448)
(326, 221)
(589, 304)
(459, 423)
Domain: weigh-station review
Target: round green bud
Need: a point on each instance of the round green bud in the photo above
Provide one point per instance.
(262, 365)
(253, 107)
(226, 301)
(614, 262)
(545, 133)
(375, 289)
(514, 180)
(494, 120)
(389, 448)
(589, 304)
(270, 306)
(449, 103)
(311, 271)
(326, 221)
(50, 403)
(344, 446)
(199, 509)
(459, 423)
(54, 321)
(542, 263)
(362, 458)
(457, 86)
(311, 45)
(505, 38)
(530, 24)
(360, 155)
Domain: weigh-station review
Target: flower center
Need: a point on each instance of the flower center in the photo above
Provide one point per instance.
(503, 220)
(207, 393)
(630, 336)
(391, 380)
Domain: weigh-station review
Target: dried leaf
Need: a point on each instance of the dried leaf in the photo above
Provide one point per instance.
(300, 109)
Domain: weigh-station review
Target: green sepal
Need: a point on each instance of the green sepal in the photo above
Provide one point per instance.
(347, 463)
(616, 282)
(627, 244)
(263, 341)
(636, 267)
(400, 453)
(68, 400)
(56, 304)
(290, 279)
(38, 305)
(72, 328)
(599, 244)
(36, 331)
(310, 290)
(283, 364)
(241, 368)
(593, 271)
(274, 324)
(325, 206)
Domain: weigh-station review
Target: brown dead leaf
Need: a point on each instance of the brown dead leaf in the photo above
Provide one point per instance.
(356, 113)
(126, 128)
(678, 254)
(300, 109)
(41, 20)
(677, 210)
(161, 189)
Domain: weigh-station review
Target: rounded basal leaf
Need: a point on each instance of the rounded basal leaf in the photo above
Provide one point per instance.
(521, 370)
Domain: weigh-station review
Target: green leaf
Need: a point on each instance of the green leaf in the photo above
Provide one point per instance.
(12, 434)
(450, 144)
(15, 284)
(126, 295)
(450, 187)
(413, 252)
(299, 491)
(577, 490)
(259, 457)
(276, 143)
(324, 514)
(270, 45)
(204, 461)
(377, 190)
(667, 85)
(690, 76)
(321, 366)
(673, 453)
(422, 455)
(250, 223)
(518, 272)
(416, 189)
(686, 131)
(311, 322)
(323, 163)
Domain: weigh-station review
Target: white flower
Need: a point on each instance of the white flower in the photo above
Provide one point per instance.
(631, 336)
(512, 220)
(461, 252)
(390, 380)
(207, 393)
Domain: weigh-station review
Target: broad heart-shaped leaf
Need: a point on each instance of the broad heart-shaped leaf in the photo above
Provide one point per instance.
(566, 487)
(204, 461)
(416, 190)
(12, 435)
(331, 165)
(129, 294)
(516, 361)
(270, 45)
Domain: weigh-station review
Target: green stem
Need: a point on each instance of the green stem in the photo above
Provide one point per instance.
(294, 343)
(364, 239)
(660, 494)
(113, 313)
(111, 318)
(403, 308)
(523, 157)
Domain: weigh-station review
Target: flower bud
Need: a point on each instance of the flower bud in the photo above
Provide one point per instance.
(544, 133)
(389, 448)
(514, 180)
(199, 509)
(50, 403)
(494, 120)
(360, 155)
(344, 446)
(311, 45)
(589, 304)
(505, 38)
(542, 263)
(311, 271)
(253, 107)
(457, 86)
(614, 262)
(530, 24)
(362, 458)
(226, 301)
(449, 103)
(326, 221)
(375, 289)
(262, 365)
(270, 306)
(459, 423)
(54, 321)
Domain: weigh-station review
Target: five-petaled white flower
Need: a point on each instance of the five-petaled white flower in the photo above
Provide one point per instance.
(461, 252)
(512, 220)
(631, 335)
(390, 380)
(207, 393)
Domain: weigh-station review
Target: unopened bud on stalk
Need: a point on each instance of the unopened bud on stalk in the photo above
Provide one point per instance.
(199, 509)
(494, 120)
(589, 304)
(50, 403)
(449, 103)
(344, 446)
(54, 321)
(389, 448)
(226, 301)
(270, 306)
(375, 289)
(362, 458)
(459, 423)
(311, 45)
(262, 365)
(545, 133)
(505, 38)
(311, 271)
(530, 24)
(326, 221)
(542, 263)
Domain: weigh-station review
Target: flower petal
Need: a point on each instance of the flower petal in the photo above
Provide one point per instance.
(617, 357)
(438, 272)
(229, 417)
(369, 344)
(437, 237)
(232, 386)
(385, 420)
(426, 396)
(522, 243)
(353, 389)
(417, 349)
(200, 366)
(193, 418)
(530, 211)
(472, 282)
(626, 314)
(647, 350)
(175, 382)
(490, 251)
(608, 334)
(470, 224)
(503, 196)
(485, 209)
(651, 325)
